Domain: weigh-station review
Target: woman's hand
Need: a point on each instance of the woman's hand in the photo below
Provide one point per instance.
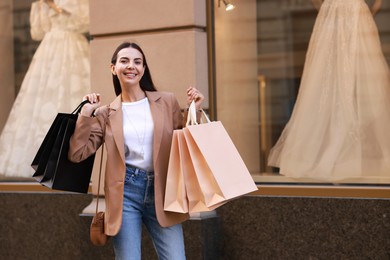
(376, 6)
(55, 7)
(94, 99)
(194, 94)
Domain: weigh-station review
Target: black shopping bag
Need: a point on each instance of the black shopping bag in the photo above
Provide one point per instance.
(51, 164)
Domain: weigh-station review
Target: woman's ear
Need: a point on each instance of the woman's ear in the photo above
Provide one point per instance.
(113, 69)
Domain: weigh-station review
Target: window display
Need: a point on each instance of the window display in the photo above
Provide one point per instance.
(339, 125)
(323, 89)
(57, 77)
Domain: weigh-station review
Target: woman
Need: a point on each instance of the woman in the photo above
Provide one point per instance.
(137, 129)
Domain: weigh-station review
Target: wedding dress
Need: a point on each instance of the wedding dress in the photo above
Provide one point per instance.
(56, 80)
(340, 124)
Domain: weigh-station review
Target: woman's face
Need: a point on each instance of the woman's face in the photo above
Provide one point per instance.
(129, 67)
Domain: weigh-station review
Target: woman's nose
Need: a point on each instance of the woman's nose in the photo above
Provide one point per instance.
(130, 65)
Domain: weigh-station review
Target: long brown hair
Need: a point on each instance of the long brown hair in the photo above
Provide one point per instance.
(146, 81)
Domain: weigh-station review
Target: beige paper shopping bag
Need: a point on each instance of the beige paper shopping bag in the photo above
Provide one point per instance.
(209, 187)
(219, 168)
(195, 196)
(175, 192)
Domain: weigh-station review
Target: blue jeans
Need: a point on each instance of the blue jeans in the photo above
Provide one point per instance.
(138, 208)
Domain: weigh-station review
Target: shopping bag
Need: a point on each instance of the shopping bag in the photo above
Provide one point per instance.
(195, 197)
(220, 170)
(175, 192)
(51, 164)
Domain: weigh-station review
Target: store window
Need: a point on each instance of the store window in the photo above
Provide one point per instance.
(17, 48)
(27, 62)
(260, 54)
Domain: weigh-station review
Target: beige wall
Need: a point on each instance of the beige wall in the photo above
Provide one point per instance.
(176, 59)
(174, 42)
(237, 88)
(121, 16)
(7, 62)
(172, 35)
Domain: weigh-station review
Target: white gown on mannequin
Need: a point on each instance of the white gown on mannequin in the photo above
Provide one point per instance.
(340, 124)
(56, 80)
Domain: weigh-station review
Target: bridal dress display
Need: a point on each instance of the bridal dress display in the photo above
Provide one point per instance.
(340, 125)
(56, 80)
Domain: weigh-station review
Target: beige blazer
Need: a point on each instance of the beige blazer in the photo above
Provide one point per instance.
(107, 126)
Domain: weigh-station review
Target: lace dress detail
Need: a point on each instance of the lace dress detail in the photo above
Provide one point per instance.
(56, 80)
(340, 123)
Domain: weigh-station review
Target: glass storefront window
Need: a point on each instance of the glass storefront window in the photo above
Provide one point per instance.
(18, 46)
(260, 51)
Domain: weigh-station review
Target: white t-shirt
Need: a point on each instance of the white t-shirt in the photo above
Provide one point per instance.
(138, 134)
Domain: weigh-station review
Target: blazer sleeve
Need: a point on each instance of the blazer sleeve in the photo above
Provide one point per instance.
(178, 120)
(87, 137)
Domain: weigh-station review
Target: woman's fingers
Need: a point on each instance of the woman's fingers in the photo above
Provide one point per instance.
(92, 97)
(194, 94)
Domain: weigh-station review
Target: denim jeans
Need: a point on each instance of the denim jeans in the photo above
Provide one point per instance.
(138, 208)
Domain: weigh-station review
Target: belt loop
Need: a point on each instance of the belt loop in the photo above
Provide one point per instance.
(136, 170)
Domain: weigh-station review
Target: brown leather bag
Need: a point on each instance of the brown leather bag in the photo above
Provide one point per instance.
(96, 232)
(98, 238)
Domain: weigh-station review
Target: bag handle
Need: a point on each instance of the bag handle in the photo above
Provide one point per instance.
(100, 175)
(191, 116)
(80, 106)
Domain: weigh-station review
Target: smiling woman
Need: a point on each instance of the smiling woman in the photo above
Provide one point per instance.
(131, 50)
(137, 129)
(259, 49)
(129, 69)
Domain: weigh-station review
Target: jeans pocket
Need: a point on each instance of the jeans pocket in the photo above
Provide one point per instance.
(130, 176)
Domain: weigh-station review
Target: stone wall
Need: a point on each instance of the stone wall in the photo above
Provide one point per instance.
(48, 226)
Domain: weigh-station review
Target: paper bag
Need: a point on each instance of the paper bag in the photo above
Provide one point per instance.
(195, 196)
(51, 164)
(175, 191)
(220, 170)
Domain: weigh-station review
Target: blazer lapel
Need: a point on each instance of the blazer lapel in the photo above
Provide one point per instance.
(116, 123)
(157, 111)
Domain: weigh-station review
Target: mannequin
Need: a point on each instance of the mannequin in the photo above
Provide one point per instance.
(53, 6)
(338, 130)
(376, 6)
(58, 76)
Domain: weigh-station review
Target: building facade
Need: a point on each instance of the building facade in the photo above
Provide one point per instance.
(248, 62)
